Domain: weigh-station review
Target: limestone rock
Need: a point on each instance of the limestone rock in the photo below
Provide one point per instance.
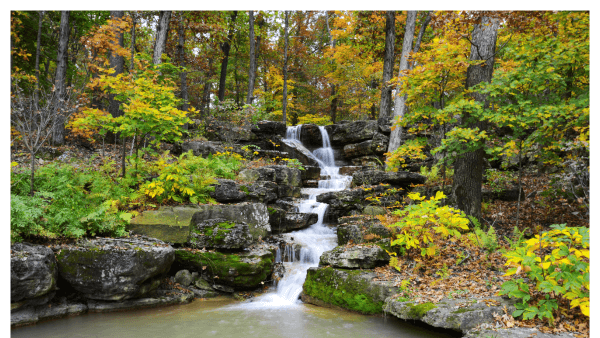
(218, 233)
(282, 221)
(169, 224)
(115, 269)
(280, 174)
(376, 146)
(352, 132)
(227, 191)
(183, 277)
(355, 257)
(310, 135)
(268, 128)
(397, 179)
(33, 275)
(298, 151)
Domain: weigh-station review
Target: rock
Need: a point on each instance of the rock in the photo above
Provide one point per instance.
(201, 148)
(183, 277)
(310, 173)
(374, 210)
(227, 191)
(310, 135)
(355, 257)
(254, 215)
(370, 161)
(228, 133)
(272, 154)
(282, 221)
(160, 298)
(310, 184)
(284, 191)
(377, 146)
(456, 314)
(280, 174)
(516, 332)
(33, 275)
(349, 289)
(298, 151)
(349, 170)
(218, 233)
(202, 284)
(168, 224)
(347, 233)
(241, 271)
(398, 179)
(31, 315)
(224, 288)
(115, 269)
(362, 231)
(261, 192)
(268, 128)
(508, 195)
(342, 203)
(278, 272)
(352, 132)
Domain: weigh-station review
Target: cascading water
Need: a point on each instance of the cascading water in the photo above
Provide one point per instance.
(314, 240)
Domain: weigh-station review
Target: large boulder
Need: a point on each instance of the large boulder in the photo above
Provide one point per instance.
(115, 269)
(376, 146)
(397, 179)
(342, 203)
(280, 174)
(310, 135)
(169, 224)
(227, 191)
(262, 192)
(218, 233)
(352, 132)
(254, 215)
(283, 221)
(33, 275)
(361, 231)
(355, 257)
(228, 133)
(298, 151)
(269, 128)
(241, 271)
(349, 289)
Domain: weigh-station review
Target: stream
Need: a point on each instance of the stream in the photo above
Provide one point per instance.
(277, 313)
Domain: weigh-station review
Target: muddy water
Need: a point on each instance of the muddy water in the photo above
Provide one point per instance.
(221, 318)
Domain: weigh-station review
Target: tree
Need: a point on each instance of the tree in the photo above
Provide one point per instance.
(58, 136)
(399, 104)
(285, 61)
(162, 32)
(252, 67)
(468, 167)
(385, 107)
(116, 62)
(182, 64)
(226, 47)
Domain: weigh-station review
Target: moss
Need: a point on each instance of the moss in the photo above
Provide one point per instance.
(271, 210)
(418, 311)
(226, 225)
(353, 292)
(463, 310)
(245, 189)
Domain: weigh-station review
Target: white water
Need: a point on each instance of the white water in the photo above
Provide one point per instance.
(314, 240)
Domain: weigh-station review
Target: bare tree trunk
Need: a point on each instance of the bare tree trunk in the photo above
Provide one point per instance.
(285, 60)
(225, 47)
(161, 36)
(252, 69)
(183, 73)
(58, 136)
(116, 62)
(468, 168)
(400, 102)
(420, 37)
(334, 100)
(37, 61)
(385, 107)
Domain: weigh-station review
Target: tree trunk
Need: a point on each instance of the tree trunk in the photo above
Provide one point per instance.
(116, 62)
(399, 104)
(37, 60)
(468, 168)
(334, 100)
(252, 69)
(161, 36)
(58, 136)
(420, 37)
(225, 47)
(285, 60)
(385, 107)
(183, 73)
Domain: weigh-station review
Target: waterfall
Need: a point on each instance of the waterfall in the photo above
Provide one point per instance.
(313, 240)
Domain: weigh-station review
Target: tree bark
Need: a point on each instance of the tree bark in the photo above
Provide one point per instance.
(252, 69)
(420, 37)
(116, 62)
(468, 168)
(225, 47)
(334, 100)
(400, 101)
(58, 136)
(37, 60)
(183, 73)
(285, 60)
(162, 32)
(385, 107)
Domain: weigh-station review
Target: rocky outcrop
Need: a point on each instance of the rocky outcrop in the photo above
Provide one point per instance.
(456, 314)
(283, 221)
(115, 269)
(254, 216)
(218, 233)
(310, 135)
(33, 275)
(361, 231)
(242, 271)
(280, 174)
(268, 128)
(352, 132)
(349, 289)
(355, 257)
(397, 179)
(376, 146)
(349, 170)
(227, 191)
(261, 192)
(298, 151)
(168, 224)
(342, 203)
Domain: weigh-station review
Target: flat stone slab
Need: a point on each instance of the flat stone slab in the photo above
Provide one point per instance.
(455, 314)
(168, 224)
(515, 332)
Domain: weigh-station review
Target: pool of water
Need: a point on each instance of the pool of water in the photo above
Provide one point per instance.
(226, 318)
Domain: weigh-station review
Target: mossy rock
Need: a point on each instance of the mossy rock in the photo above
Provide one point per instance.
(168, 224)
(219, 233)
(349, 289)
(241, 271)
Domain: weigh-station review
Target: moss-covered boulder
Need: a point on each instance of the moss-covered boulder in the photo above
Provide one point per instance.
(33, 275)
(456, 314)
(218, 233)
(254, 215)
(355, 257)
(349, 289)
(115, 269)
(239, 270)
(168, 224)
